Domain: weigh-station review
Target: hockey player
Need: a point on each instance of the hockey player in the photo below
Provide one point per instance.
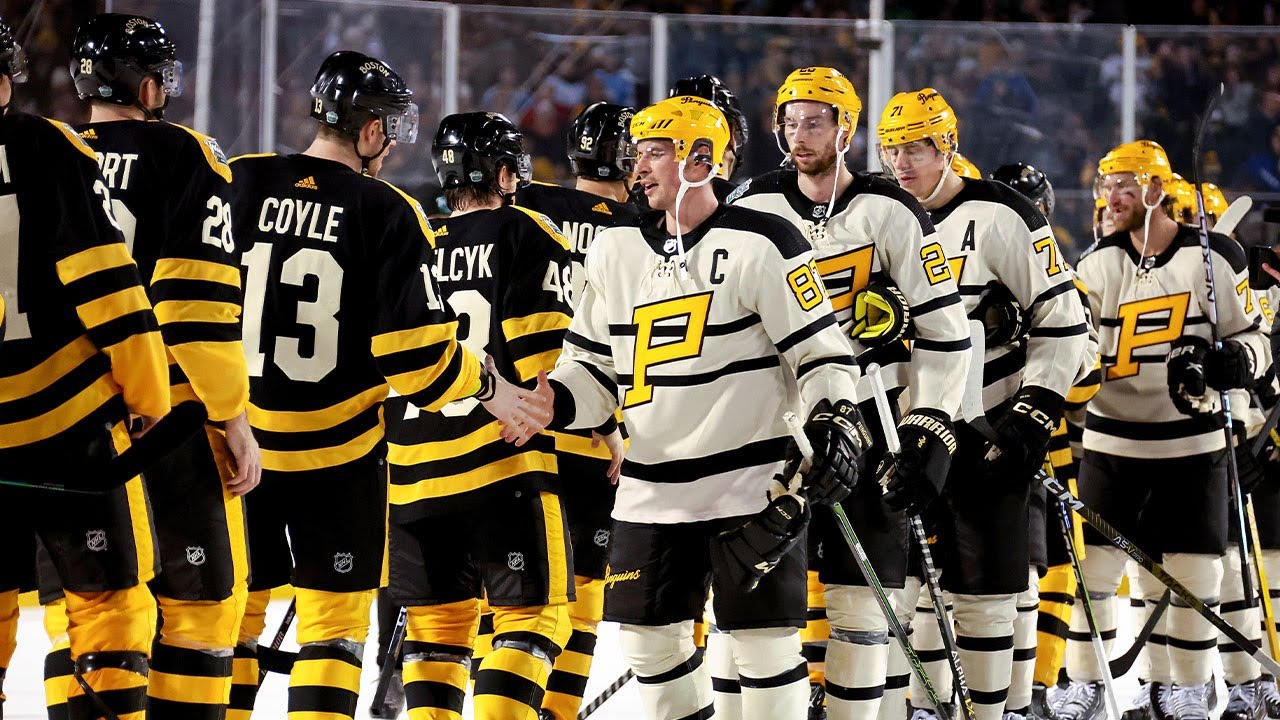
(734, 294)
(170, 189)
(710, 87)
(874, 246)
(339, 302)
(599, 155)
(1154, 454)
(82, 354)
(997, 244)
(504, 272)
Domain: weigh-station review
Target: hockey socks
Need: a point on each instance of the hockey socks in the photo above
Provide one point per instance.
(857, 654)
(110, 633)
(984, 639)
(568, 680)
(244, 663)
(1057, 595)
(893, 703)
(332, 628)
(188, 684)
(672, 680)
(1192, 639)
(773, 673)
(58, 667)
(1024, 646)
(437, 658)
(512, 679)
(929, 647)
(725, 683)
(484, 638)
(816, 631)
(1238, 667)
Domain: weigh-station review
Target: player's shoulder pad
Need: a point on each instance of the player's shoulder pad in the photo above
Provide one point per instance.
(868, 184)
(210, 150)
(1001, 194)
(783, 235)
(68, 132)
(770, 182)
(402, 199)
(546, 225)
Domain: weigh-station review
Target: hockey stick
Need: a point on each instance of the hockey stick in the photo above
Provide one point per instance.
(389, 660)
(1121, 665)
(888, 422)
(281, 631)
(1268, 610)
(607, 693)
(869, 572)
(1232, 216)
(1095, 634)
(163, 438)
(1233, 473)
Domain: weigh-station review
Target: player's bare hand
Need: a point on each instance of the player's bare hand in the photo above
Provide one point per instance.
(523, 413)
(1270, 271)
(144, 424)
(613, 441)
(247, 456)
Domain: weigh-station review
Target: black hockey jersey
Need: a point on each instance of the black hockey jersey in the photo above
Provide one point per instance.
(82, 347)
(504, 274)
(170, 191)
(339, 301)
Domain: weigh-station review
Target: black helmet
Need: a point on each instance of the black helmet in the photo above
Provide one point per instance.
(709, 87)
(469, 147)
(1030, 183)
(112, 54)
(13, 61)
(351, 87)
(598, 146)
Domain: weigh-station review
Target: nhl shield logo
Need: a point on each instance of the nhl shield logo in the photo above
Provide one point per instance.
(195, 555)
(602, 538)
(343, 562)
(515, 561)
(96, 540)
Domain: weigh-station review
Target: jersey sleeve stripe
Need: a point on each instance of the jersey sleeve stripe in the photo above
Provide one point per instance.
(1051, 293)
(943, 345)
(760, 452)
(937, 303)
(455, 377)
(514, 328)
(312, 459)
(184, 269)
(808, 367)
(60, 418)
(528, 367)
(413, 338)
(1060, 332)
(588, 344)
(183, 333)
(733, 368)
(197, 311)
(296, 421)
(422, 375)
(121, 303)
(806, 332)
(32, 381)
(55, 391)
(95, 259)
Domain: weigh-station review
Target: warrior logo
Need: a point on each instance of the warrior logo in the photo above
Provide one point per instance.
(343, 562)
(195, 555)
(602, 538)
(515, 561)
(96, 540)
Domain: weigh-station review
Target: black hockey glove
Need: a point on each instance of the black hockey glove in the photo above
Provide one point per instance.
(881, 315)
(840, 438)
(750, 551)
(1186, 376)
(1248, 467)
(1001, 315)
(1022, 434)
(916, 478)
(1228, 368)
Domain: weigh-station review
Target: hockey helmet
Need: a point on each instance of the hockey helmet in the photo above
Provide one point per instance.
(825, 85)
(1184, 198)
(351, 87)
(13, 60)
(112, 53)
(686, 121)
(962, 166)
(1030, 183)
(920, 115)
(1144, 158)
(469, 148)
(599, 147)
(1215, 203)
(710, 87)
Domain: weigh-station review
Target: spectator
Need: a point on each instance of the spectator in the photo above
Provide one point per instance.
(1262, 170)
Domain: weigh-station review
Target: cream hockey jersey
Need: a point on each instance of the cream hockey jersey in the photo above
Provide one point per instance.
(1140, 311)
(878, 232)
(994, 236)
(702, 358)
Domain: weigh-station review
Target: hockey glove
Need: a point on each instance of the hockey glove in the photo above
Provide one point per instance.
(1001, 316)
(839, 438)
(916, 478)
(1228, 368)
(1022, 434)
(1186, 377)
(881, 315)
(750, 551)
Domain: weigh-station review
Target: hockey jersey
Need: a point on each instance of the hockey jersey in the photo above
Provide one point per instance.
(1141, 307)
(994, 236)
(170, 192)
(504, 273)
(702, 358)
(878, 232)
(82, 347)
(339, 301)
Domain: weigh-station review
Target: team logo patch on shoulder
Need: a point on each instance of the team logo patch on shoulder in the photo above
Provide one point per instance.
(515, 561)
(738, 192)
(343, 562)
(216, 150)
(602, 208)
(307, 183)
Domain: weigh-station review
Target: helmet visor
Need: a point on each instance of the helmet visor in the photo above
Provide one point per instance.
(18, 69)
(524, 169)
(403, 126)
(170, 78)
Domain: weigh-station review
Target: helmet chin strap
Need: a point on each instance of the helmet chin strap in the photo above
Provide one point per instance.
(685, 185)
(937, 189)
(1146, 223)
(365, 161)
(835, 186)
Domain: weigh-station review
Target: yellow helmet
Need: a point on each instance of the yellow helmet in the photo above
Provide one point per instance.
(1215, 203)
(961, 166)
(1144, 158)
(919, 115)
(824, 85)
(1184, 198)
(685, 120)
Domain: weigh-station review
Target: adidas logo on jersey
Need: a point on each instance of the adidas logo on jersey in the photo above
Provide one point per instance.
(308, 183)
(90, 134)
(440, 231)
(602, 208)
